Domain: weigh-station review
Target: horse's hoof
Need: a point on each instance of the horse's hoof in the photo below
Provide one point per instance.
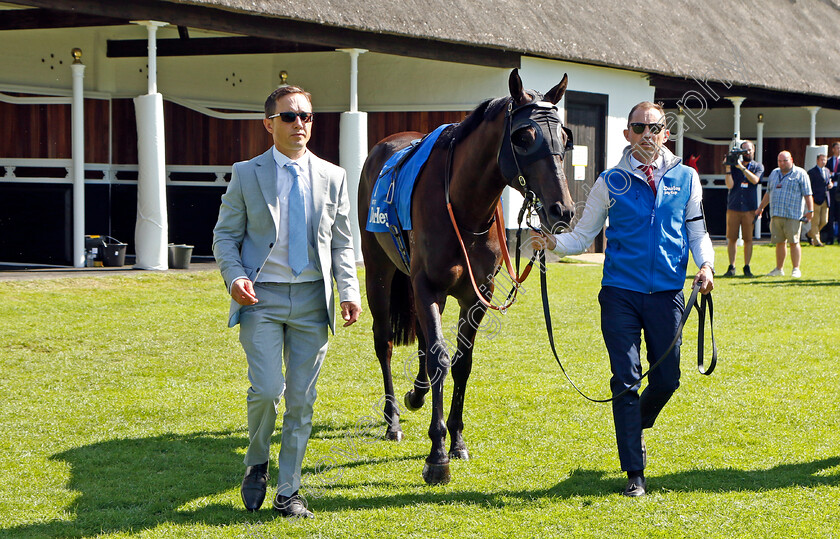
(409, 401)
(460, 454)
(436, 474)
(394, 435)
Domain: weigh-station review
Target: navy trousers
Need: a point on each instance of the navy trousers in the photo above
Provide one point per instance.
(625, 315)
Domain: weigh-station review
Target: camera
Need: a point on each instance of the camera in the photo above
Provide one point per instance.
(734, 156)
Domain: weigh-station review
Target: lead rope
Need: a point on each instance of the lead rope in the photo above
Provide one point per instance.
(705, 302)
(500, 227)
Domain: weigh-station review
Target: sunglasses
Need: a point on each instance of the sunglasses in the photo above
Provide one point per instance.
(639, 128)
(290, 117)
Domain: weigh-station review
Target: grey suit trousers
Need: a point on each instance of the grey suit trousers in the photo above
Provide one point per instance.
(285, 331)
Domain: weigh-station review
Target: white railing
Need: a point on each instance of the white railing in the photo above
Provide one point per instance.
(32, 171)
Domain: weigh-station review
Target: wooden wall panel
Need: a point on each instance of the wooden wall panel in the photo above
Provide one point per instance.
(383, 124)
(195, 139)
(44, 131)
(124, 134)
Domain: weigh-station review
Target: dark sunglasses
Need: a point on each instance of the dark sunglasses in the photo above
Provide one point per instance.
(289, 117)
(639, 128)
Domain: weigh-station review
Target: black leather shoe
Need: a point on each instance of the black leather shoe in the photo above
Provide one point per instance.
(636, 486)
(253, 486)
(730, 272)
(292, 506)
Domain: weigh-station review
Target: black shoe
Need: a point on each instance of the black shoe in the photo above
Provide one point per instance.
(636, 486)
(730, 272)
(253, 486)
(292, 506)
(747, 272)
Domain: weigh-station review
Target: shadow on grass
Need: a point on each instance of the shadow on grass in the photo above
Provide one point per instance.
(777, 282)
(136, 484)
(593, 483)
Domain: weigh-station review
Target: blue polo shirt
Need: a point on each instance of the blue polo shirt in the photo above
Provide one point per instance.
(742, 196)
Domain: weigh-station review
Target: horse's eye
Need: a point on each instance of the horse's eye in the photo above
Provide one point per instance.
(524, 137)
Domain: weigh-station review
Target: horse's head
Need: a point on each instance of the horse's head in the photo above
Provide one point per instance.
(532, 151)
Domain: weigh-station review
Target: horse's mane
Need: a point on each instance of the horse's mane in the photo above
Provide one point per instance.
(486, 111)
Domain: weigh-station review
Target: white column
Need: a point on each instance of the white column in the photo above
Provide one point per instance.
(352, 149)
(736, 102)
(759, 156)
(813, 111)
(678, 144)
(152, 230)
(78, 152)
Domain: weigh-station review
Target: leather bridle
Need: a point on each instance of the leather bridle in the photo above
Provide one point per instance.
(543, 117)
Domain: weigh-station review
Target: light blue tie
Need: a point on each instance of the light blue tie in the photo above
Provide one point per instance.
(298, 252)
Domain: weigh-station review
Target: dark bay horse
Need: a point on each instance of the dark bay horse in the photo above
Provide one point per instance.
(517, 141)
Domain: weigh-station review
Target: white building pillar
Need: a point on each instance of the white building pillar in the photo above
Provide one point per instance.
(736, 102)
(152, 230)
(678, 144)
(78, 152)
(352, 149)
(759, 156)
(813, 111)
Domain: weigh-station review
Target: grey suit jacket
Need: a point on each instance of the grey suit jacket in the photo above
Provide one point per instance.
(247, 227)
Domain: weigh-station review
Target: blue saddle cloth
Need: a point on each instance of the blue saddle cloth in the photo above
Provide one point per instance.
(390, 203)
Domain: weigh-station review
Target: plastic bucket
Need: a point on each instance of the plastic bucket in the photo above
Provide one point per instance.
(179, 256)
(113, 254)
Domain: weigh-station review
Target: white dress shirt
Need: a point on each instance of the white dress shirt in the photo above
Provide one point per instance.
(276, 268)
(596, 213)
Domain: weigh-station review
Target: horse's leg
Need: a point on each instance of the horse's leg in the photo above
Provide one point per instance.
(416, 396)
(379, 280)
(468, 324)
(430, 305)
(378, 293)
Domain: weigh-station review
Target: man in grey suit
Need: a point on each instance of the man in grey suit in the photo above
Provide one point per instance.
(283, 233)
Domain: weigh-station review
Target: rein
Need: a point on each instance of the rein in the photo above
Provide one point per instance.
(500, 227)
(705, 303)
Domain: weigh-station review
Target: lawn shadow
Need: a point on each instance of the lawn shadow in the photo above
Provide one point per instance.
(139, 483)
(595, 483)
(777, 282)
(136, 484)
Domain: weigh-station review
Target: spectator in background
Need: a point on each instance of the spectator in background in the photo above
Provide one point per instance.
(833, 213)
(741, 180)
(788, 188)
(820, 185)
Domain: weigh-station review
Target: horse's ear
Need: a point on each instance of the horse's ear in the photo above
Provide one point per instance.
(517, 92)
(556, 94)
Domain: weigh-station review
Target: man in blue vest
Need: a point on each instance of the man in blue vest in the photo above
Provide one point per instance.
(654, 206)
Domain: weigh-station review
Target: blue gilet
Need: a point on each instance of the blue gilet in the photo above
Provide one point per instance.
(647, 240)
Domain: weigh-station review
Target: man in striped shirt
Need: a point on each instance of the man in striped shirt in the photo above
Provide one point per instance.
(788, 194)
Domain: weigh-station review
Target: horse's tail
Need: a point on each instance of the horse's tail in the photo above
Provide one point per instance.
(403, 315)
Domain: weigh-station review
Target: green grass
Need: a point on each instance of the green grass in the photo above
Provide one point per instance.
(123, 415)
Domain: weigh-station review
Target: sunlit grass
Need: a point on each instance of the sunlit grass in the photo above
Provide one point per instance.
(123, 415)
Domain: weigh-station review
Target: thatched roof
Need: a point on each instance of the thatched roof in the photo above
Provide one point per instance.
(785, 45)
